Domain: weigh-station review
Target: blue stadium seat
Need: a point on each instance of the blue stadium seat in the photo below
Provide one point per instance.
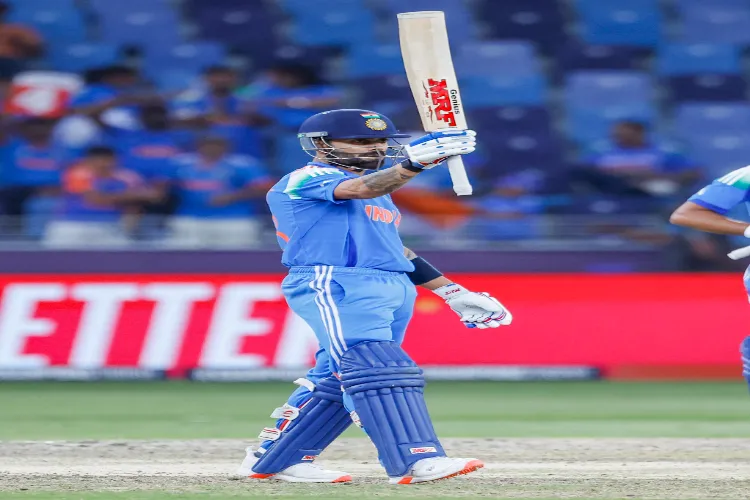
(108, 8)
(690, 59)
(584, 6)
(382, 88)
(683, 5)
(514, 58)
(339, 28)
(593, 124)
(607, 88)
(32, 5)
(508, 120)
(142, 28)
(708, 88)
(458, 18)
(192, 57)
(374, 60)
(540, 21)
(81, 57)
(250, 31)
(500, 90)
(722, 153)
(709, 24)
(520, 151)
(621, 23)
(574, 57)
(302, 8)
(265, 57)
(693, 120)
(56, 25)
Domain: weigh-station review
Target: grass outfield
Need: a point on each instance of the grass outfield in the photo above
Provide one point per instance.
(183, 410)
(179, 440)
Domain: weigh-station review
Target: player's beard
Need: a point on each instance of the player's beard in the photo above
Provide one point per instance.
(372, 161)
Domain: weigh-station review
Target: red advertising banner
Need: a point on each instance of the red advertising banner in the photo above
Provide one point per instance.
(623, 325)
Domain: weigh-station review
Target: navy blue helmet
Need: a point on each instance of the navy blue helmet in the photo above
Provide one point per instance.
(358, 125)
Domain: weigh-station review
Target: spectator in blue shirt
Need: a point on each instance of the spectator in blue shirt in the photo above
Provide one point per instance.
(215, 191)
(632, 165)
(101, 203)
(110, 100)
(289, 94)
(32, 162)
(215, 109)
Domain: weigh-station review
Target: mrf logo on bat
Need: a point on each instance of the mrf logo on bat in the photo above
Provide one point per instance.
(441, 103)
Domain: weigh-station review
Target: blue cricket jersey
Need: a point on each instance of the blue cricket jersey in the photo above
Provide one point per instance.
(314, 228)
(726, 192)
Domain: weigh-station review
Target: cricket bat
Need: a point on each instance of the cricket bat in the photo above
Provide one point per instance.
(429, 69)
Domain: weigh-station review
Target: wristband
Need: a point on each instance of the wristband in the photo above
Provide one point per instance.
(423, 272)
(747, 232)
(449, 291)
(407, 165)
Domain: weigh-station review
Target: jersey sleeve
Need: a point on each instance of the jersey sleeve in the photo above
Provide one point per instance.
(725, 192)
(314, 183)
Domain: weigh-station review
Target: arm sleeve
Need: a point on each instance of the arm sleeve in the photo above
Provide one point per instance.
(725, 192)
(315, 183)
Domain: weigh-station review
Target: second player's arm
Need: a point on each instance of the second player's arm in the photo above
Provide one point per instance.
(374, 185)
(695, 216)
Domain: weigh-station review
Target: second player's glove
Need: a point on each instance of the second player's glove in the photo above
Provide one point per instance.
(432, 149)
(476, 310)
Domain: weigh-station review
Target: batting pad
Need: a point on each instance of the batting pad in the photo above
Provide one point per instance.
(319, 421)
(387, 389)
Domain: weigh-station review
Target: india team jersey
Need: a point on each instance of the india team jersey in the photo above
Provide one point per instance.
(314, 228)
(726, 192)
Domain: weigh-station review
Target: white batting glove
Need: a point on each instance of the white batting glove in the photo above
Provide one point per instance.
(432, 149)
(476, 310)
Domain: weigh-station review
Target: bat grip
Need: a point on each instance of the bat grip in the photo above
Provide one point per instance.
(461, 184)
(740, 253)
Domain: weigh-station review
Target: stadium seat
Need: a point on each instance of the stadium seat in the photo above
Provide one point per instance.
(81, 57)
(108, 8)
(621, 23)
(301, 8)
(540, 21)
(722, 153)
(144, 29)
(607, 88)
(506, 120)
(374, 60)
(32, 5)
(516, 58)
(575, 57)
(593, 124)
(250, 31)
(710, 24)
(693, 120)
(519, 152)
(191, 57)
(690, 59)
(56, 25)
(500, 90)
(707, 88)
(382, 88)
(338, 28)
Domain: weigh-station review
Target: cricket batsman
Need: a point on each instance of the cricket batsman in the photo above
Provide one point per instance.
(706, 211)
(351, 279)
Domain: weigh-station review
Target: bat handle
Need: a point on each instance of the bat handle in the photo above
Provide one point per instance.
(461, 184)
(740, 253)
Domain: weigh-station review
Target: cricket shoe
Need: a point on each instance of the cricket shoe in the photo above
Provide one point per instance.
(434, 468)
(305, 472)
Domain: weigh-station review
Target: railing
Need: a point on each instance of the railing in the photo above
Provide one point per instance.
(528, 232)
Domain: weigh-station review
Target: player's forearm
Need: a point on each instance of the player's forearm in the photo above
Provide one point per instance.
(694, 216)
(374, 185)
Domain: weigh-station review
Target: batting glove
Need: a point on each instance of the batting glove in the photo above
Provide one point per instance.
(433, 149)
(476, 310)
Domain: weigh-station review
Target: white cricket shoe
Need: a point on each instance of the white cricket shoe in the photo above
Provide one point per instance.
(434, 468)
(306, 472)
